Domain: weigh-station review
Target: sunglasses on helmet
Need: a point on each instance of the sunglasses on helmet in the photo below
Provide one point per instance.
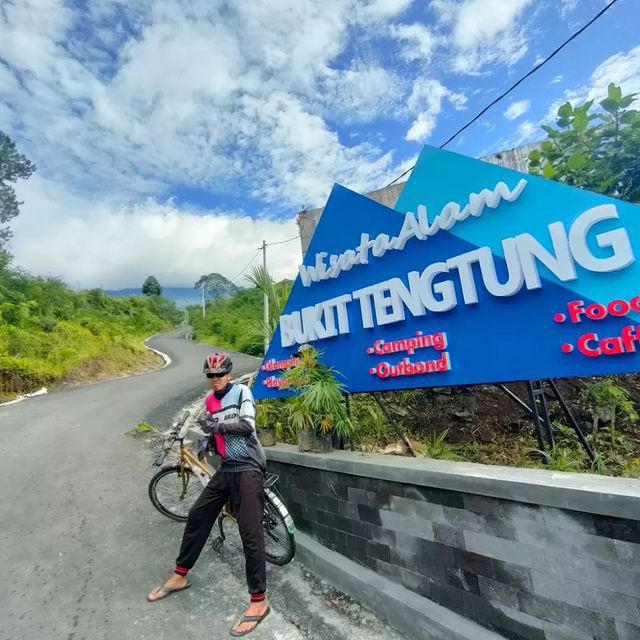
(215, 375)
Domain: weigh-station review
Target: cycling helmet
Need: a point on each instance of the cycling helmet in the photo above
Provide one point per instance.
(218, 363)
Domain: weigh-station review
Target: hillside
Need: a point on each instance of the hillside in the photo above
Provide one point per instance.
(50, 335)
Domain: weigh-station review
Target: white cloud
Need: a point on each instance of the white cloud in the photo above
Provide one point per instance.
(382, 9)
(490, 126)
(479, 21)
(527, 132)
(194, 94)
(426, 101)
(566, 7)
(484, 31)
(361, 92)
(418, 42)
(622, 68)
(119, 103)
(557, 79)
(110, 244)
(516, 109)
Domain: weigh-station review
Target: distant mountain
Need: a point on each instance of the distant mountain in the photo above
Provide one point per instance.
(183, 296)
(216, 286)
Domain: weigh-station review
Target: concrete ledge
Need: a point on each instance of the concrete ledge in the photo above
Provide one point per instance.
(602, 495)
(410, 613)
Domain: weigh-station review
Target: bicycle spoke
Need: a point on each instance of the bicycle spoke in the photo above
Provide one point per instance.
(176, 495)
(275, 533)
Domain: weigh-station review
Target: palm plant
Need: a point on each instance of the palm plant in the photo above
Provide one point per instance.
(559, 459)
(319, 402)
(276, 295)
(437, 447)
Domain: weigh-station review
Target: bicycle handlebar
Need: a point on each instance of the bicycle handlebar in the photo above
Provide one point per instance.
(177, 433)
(183, 425)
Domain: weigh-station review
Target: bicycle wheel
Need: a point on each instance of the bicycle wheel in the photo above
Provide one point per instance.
(280, 545)
(173, 494)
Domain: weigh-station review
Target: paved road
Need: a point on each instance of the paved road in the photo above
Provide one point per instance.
(80, 544)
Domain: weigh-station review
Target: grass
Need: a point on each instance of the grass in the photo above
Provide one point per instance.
(50, 335)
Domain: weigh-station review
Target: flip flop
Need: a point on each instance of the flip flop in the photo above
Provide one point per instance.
(167, 591)
(256, 619)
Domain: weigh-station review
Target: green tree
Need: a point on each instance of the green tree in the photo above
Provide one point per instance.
(216, 286)
(13, 165)
(598, 151)
(151, 287)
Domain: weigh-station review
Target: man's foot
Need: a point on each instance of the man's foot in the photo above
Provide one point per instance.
(257, 611)
(174, 583)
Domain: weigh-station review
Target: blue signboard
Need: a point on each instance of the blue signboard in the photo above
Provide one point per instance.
(481, 274)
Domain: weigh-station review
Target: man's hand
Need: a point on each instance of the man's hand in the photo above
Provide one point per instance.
(207, 424)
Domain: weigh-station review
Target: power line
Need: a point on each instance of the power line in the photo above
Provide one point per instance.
(257, 253)
(516, 84)
(269, 244)
(246, 266)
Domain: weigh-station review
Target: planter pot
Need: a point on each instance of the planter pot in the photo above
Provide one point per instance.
(267, 436)
(305, 440)
(322, 443)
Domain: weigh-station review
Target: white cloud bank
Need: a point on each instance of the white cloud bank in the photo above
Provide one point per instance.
(114, 245)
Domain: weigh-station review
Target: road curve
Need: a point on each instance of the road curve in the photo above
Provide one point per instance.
(80, 544)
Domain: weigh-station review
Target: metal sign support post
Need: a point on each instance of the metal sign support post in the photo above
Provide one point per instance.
(538, 411)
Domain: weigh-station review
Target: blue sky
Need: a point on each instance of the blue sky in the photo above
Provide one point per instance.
(171, 136)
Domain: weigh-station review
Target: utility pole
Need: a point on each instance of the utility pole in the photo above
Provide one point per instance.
(266, 300)
(203, 311)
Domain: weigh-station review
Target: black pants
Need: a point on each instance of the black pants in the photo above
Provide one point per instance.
(245, 491)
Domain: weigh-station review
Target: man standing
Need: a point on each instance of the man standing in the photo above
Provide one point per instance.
(230, 422)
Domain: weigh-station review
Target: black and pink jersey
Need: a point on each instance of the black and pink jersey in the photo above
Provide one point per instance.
(231, 418)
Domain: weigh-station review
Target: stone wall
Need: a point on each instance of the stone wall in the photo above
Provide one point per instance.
(530, 554)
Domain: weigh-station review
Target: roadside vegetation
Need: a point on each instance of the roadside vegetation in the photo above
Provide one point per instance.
(236, 322)
(50, 335)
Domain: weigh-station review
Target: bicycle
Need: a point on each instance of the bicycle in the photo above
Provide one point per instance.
(184, 481)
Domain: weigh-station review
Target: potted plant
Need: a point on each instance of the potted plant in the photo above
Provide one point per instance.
(266, 424)
(318, 410)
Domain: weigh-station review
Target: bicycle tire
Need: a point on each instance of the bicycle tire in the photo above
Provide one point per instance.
(164, 508)
(273, 518)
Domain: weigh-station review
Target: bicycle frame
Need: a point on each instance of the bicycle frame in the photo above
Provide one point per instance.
(201, 470)
(204, 473)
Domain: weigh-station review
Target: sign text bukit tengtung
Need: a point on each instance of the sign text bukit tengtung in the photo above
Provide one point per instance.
(489, 276)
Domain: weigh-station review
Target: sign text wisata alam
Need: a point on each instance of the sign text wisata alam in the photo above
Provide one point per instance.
(432, 289)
